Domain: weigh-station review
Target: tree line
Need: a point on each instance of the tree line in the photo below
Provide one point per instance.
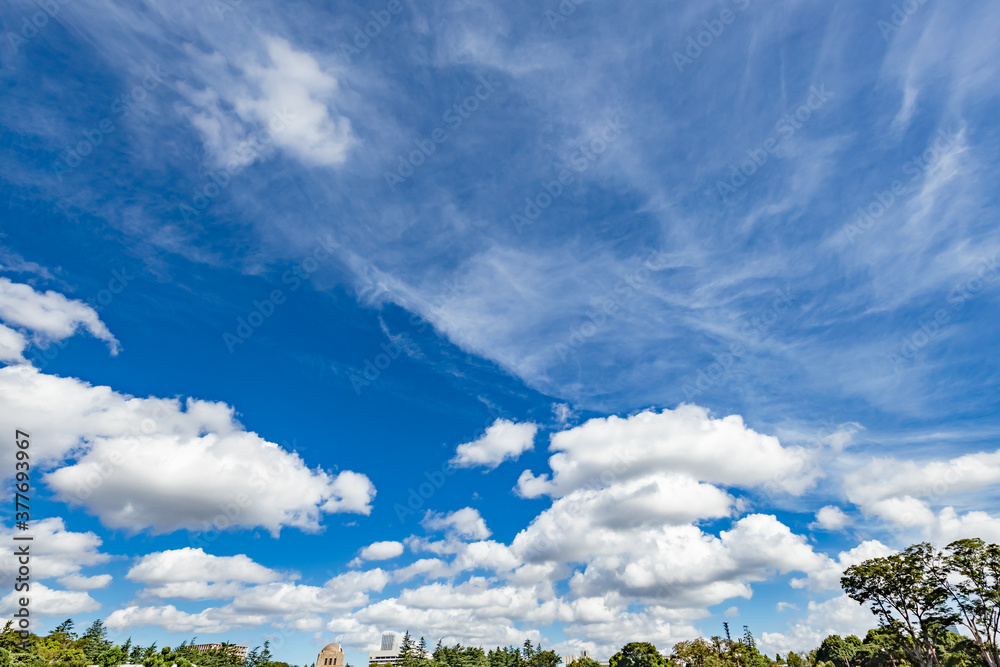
(63, 647)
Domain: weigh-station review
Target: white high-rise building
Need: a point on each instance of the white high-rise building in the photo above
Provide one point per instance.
(388, 653)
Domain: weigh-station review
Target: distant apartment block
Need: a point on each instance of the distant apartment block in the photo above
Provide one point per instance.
(569, 659)
(240, 651)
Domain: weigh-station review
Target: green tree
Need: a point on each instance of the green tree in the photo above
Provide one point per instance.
(744, 652)
(907, 594)
(112, 657)
(698, 652)
(542, 658)
(976, 592)
(95, 641)
(834, 649)
(638, 654)
(406, 651)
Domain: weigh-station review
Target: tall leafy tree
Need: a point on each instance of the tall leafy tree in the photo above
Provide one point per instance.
(906, 593)
(975, 589)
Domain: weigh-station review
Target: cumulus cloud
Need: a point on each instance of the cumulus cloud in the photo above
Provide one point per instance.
(49, 316)
(55, 551)
(158, 464)
(381, 551)
(12, 346)
(465, 523)
(193, 574)
(837, 616)
(686, 440)
(46, 601)
(170, 618)
(504, 440)
(827, 575)
(79, 582)
(286, 602)
(831, 517)
(910, 494)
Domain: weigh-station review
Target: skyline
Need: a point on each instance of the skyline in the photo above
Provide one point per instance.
(574, 322)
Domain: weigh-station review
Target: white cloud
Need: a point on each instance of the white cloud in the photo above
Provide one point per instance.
(151, 463)
(827, 575)
(685, 440)
(288, 102)
(78, 582)
(914, 495)
(170, 618)
(381, 551)
(55, 551)
(831, 517)
(12, 346)
(504, 440)
(46, 601)
(465, 523)
(50, 316)
(837, 616)
(193, 574)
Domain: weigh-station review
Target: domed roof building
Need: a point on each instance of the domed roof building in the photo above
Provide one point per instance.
(332, 655)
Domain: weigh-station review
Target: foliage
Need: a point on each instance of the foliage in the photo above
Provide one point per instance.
(907, 595)
(975, 590)
(638, 654)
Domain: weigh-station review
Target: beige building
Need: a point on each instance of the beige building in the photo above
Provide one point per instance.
(332, 655)
(241, 651)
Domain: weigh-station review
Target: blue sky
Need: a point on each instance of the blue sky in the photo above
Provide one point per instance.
(581, 322)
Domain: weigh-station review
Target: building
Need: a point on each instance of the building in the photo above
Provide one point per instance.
(568, 660)
(332, 655)
(388, 653)
(383, 657)
(241, 651)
